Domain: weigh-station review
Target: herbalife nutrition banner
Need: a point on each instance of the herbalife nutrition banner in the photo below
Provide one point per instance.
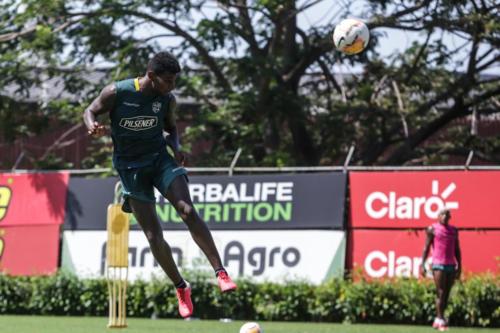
(304, 201)
(314, 255)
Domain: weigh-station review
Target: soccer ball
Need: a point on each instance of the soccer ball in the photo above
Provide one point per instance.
(251, 328)
(351, 36)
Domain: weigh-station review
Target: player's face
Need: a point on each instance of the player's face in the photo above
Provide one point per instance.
(444, 217)
(164, 83)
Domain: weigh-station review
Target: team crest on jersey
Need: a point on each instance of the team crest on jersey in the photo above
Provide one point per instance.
(156, 107)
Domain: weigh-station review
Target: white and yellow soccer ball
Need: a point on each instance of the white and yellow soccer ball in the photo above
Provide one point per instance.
(251, 328)
(351, 36)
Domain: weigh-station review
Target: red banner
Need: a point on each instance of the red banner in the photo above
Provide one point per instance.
(29, 250)
(32, 199)
(391, 253)
(413, 199)
(32, 208)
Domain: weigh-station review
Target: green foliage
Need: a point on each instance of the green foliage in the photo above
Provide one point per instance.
(58, 295)
(473, 302)
(15, 295)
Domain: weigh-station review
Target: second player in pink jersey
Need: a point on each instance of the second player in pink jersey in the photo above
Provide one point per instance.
(446, 262)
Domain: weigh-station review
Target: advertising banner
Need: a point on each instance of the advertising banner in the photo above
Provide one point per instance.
(87, 204)
(260, 255)
(32, 208)
(414, 199)
(32, 199)
(29, 250)
(391, 253)
(302, 201)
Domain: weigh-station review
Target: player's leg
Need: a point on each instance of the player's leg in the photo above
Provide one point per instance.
(139, 197)
(170, 179)
(145, 214)
(449, 278)
(178, 195)
(439, 281)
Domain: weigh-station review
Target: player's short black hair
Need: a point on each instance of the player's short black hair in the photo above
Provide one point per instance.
(164, 62)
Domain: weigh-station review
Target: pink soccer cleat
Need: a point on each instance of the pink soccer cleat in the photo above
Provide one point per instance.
(184, 299)
(225, 282)
(442, 325)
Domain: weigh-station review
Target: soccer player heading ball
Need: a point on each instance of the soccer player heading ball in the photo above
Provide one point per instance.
(142, 113)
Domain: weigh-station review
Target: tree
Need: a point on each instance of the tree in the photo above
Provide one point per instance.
(268, 85)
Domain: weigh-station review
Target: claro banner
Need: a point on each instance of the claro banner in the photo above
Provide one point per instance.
(391, 253)
(414, 199)
(304, 201)
(260, 255)
(32, 208)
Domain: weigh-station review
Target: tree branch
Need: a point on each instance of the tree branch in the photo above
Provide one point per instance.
(329, 77)
(401, 108)
(202, 51)
(460, 109)
(307, 59)
(13, 35)
(420, 53)
(58, 143)
(244, 7)
(488, 63)
(400, 155)
(389, 21)
(306, 6)
(246, 22)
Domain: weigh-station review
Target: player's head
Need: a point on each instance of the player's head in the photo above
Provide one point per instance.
(162, 71)
(444, 216)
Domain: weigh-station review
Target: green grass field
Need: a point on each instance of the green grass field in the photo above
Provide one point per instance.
(39, 324)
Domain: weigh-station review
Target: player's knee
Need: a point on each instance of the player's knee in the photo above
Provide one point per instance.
(154, 238)
(185, 210)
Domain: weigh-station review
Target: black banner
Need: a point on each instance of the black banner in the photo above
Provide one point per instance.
(298, 201)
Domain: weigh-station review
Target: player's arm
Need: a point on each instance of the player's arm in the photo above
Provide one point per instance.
(458, 257)
(170, 127)
(427, 246)
(102, 104)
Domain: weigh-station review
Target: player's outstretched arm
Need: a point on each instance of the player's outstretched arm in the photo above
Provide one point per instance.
(102, 104)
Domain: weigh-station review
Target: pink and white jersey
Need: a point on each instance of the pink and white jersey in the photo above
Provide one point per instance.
(443, 245)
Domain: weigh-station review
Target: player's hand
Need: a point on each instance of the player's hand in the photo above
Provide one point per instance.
(179, 157)
(423, 271)
(458, 273)
(96, 129)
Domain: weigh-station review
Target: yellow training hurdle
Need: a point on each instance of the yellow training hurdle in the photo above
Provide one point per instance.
(117, 265)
